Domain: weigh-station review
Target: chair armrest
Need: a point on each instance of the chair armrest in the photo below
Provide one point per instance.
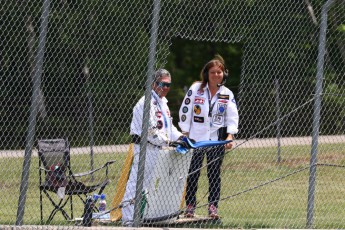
(109, 163)
(44, 169)
(95, 170)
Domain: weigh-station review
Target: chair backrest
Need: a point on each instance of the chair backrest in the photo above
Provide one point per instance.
(54, 152)
(54, 155)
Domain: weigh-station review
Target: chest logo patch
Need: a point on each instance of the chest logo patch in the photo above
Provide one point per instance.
(222, 101)
(200, 92)
(199, 100)
(198, 119)
(223, 96)
(221, 108)
(197, 109)
(159, 114)
(218, 119)
(159, 124)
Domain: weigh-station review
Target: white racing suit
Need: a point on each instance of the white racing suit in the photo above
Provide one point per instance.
(202, 116)
(160, 132)
(206, 118)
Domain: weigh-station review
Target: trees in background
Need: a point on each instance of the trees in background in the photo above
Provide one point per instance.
(96, 62)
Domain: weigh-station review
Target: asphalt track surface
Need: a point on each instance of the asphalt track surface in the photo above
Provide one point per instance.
(251, 143)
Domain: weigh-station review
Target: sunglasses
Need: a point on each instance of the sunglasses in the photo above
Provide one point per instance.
(162, 84)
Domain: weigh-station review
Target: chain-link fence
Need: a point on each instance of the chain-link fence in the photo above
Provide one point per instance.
(74, 70)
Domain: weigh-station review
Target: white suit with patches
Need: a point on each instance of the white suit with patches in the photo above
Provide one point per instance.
(160, 132)
(195, 109)
(207, 118)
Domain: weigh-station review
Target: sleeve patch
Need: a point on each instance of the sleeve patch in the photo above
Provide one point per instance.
(185, 109)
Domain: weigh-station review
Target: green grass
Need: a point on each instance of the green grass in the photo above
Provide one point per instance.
(10, 178)
(257, 191)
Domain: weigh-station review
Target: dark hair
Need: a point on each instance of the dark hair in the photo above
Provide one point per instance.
(216, 61)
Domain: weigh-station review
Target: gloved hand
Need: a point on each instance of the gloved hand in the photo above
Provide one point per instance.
(180, 142)
(191, 140)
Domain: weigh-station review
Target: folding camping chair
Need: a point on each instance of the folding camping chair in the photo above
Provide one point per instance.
(58, 178)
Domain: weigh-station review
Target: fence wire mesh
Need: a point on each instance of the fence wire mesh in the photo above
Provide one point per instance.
(74, 70)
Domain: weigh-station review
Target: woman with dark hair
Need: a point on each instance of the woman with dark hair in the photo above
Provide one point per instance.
(208, 112)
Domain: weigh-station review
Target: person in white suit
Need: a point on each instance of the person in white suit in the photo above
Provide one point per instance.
(208, 112)
(161, 133)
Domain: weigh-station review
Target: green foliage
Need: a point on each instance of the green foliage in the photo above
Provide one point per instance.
(341, 28)
(261, 41)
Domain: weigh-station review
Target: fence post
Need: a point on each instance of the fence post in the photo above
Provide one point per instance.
(86, 72)
(278, 126)
(317, 111)
(33, 112)
(146, 116)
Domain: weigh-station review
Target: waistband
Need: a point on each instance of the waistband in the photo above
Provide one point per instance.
(136, 140)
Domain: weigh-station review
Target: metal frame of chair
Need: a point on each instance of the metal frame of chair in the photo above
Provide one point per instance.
(56, 176)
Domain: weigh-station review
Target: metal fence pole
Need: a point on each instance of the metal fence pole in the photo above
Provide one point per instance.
(278, 126)
(86, 72)
(146, 116)
(33, 112)
(317, 111)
